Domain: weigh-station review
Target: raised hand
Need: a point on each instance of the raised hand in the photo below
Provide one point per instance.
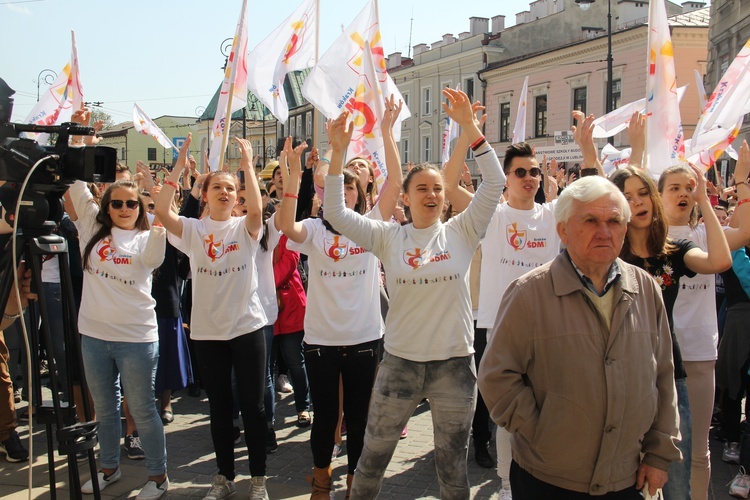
(339, 133)
(699, 185)
(145, 173)
(246, 149)
(183, 154)
(742, 169)
(637, 137)
(390, 115)
(459, 108)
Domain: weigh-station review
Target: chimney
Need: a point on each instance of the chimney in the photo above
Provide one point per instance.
(448, 38)
(691, 6)
(523, 17)
(418, 49)
(498, 24)
(479, 25)
(464, 34)
(394, 60)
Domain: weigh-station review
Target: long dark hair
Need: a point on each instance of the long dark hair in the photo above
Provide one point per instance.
(105, 221)
(658, 243)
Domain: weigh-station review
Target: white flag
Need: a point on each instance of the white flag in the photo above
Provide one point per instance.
(519, 129)
(449, 133)
(617, 120)
(664, 137)
(333, 81)
(291, 47)
(235, 82)
(146, 126)
(56, 105)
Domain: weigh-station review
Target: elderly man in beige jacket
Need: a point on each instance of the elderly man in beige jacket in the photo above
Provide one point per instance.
(579, 369)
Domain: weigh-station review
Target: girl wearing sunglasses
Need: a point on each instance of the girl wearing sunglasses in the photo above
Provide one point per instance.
(117, 321)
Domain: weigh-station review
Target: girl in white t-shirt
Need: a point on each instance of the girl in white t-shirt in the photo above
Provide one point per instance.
(428, 332)
(118, 325)
(227, 317)
(343, 325)
(694, 315)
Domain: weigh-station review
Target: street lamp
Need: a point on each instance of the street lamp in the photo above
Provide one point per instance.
(47, 76)
(584, 5)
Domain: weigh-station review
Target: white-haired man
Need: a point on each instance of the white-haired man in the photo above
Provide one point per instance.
(579, 369)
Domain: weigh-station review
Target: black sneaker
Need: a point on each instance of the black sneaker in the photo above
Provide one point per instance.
(133, 447)
(14, 450)
(482, 455)
(271, 444)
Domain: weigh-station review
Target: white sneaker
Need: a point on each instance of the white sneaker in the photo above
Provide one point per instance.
(221, 487)
(283, 385)
(104, 481)
(152, 490)
(740, 485)
(258, 488)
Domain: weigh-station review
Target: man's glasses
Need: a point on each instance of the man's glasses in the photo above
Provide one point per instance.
(117, 204)
(533, 171)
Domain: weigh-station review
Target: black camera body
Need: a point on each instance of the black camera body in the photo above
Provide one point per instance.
(42, 199)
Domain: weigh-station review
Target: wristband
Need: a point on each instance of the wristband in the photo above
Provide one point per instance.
(291, 195)
(589, 171)
(323, 158)
(478, 143)
(744, 200)
(14, 316)
(171, 183)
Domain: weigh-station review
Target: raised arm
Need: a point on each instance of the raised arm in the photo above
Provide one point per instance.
(637, 137)
(163, 199)
(392, 189)
(458, 196)
(583, 134)
(285, 220)
(253, 203)
(717, 258)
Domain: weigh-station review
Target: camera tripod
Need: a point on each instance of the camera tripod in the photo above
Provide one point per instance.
(72, 437)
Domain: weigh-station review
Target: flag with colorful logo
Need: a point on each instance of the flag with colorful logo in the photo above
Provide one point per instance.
(233, 94)
(664, 138)
(519, 129)
(146, 126)
(56, 105)
(291, 47)
(332, 83)
(722, 117)
(449, 133)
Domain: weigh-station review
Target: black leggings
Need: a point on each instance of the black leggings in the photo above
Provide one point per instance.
(247, 355)
(355, 365)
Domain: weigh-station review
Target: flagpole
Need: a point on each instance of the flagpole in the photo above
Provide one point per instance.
(225, 136)
(317, 48)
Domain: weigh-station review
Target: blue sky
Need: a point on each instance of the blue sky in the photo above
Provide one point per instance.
(165, 54)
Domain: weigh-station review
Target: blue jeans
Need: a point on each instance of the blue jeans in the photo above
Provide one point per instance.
(290, 347)
(53, 300)
(678, 484)
(108, 365)
(401, 384)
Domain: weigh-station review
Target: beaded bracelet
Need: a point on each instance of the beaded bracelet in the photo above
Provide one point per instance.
(171, 183)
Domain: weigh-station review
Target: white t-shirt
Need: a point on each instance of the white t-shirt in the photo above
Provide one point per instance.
(343, 300)
(694, 315)
(266, 282)
(51, 269)
(117, 304)
(517, 241)
(225, 280)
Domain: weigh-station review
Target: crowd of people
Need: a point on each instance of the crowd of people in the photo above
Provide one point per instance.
(577, 316)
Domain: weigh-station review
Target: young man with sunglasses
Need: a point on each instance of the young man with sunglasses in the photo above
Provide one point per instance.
(522, 235)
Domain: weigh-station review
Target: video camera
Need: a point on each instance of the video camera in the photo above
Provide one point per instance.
(42, 199)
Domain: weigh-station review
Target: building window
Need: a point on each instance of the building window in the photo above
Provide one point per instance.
(405, 96)
(426, 101)
(579, 99)
(308, 124)
(426, 148)
(469, 88)
(616, 94)
(405, 150)
(541, 116)
(122, 154)
(151, 154)
(446, 85)
(505, 122)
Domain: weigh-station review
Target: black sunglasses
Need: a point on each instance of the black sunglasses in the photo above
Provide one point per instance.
(117, 204)
(521, 172)
(151, 206)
